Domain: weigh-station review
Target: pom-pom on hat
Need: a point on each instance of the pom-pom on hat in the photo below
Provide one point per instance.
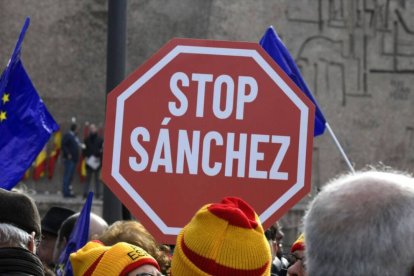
(120, 259)
(19, 210)
(224, 238)
(299, 244)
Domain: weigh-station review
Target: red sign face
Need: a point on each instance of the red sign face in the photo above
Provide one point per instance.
(201, 120)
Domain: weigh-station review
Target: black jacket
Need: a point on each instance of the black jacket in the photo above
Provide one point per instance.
(70, 146)
(93, 146)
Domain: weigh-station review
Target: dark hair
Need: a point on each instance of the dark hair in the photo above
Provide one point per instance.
(73, 127)
(272, 232)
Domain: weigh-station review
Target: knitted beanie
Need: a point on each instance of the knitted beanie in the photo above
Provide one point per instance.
(19, 210)
(299, 244)
(222, 239)
(120, 259)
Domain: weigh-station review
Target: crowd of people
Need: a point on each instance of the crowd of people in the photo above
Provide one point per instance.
(360, 224)
(91, 149)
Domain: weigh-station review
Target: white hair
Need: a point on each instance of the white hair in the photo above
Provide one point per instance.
(12, 236)
(362, 224)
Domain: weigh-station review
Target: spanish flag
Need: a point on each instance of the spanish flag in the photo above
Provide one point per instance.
(39, 169)
(82, 162)
(82, 169)
(26, 175)
(54, 154)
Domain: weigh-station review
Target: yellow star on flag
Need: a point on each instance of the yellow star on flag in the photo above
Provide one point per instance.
(3, 116)
(5, 98)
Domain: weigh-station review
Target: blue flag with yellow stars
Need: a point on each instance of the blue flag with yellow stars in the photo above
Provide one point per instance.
(25, 123)
(274, 46)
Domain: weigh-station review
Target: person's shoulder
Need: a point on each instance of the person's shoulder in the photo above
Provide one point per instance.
(68, 134)
(65, 136)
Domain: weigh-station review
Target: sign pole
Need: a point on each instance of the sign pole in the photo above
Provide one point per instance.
(115, 73)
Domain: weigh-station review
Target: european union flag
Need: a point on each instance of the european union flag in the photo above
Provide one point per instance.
(274, 46)
(78, 238)
(25, 123)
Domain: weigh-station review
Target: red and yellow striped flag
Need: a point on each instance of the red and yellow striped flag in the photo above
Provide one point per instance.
(39, 169)
(26, 175)
(82, 169)
(82, 162)
(54, 154)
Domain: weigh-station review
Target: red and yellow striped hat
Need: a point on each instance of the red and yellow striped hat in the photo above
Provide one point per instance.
(299, 244)
(120, 259)
(224, 238)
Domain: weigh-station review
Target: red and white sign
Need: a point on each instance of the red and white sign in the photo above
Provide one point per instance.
(201, 120)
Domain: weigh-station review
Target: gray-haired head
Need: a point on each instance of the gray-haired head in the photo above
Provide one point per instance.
(12, 236)
(362, 224)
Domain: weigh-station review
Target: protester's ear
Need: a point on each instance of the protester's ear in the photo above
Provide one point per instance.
(32, 245)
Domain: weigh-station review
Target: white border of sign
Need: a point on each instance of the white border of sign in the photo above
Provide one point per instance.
(119, 118)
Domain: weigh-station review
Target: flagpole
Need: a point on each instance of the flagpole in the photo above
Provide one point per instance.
(115, 73)
(274, 46)
(338, 145)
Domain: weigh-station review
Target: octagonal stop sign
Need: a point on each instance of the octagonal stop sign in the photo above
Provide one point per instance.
(201, 120)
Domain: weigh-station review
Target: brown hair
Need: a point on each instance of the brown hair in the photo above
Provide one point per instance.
(135, 233)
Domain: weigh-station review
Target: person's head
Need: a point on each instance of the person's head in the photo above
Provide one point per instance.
(122, 259)
(12, 236)
(73, 127)
(275, 235)
(51, 223)
(97, 226)
(134, 233)
(17, 252)
(20, 221)
(362, 224)
(93, 130)
(297, 258)
(224, 238)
